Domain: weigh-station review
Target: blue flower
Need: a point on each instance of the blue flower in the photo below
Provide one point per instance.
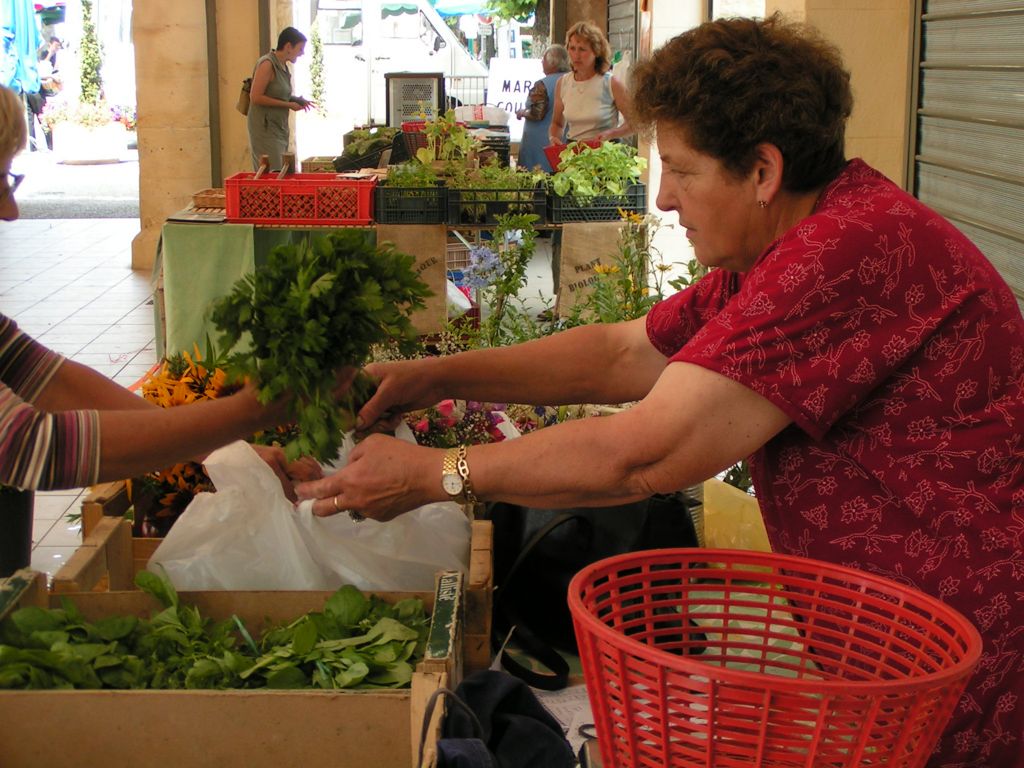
(485, 267)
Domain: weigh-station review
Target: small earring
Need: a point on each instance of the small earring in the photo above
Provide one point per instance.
(762, 203)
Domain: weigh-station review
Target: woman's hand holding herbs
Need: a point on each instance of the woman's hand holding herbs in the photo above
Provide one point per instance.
(305, 468)
(401, 386)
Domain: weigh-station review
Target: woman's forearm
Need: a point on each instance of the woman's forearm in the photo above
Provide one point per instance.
(556, 132)
(136, 441)
(558, 369)
(267, 101)
(694, 424)
(75, 386)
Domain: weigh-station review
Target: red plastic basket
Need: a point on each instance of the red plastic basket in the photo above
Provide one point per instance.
(554, 151)
(697, 657)
(300, 199)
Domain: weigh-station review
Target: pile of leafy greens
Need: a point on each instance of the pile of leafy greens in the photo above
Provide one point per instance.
(586, 171)
(355, 642)
(316, 306)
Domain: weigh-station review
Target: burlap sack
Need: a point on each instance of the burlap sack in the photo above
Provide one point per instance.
(427, 243)
(584, 245)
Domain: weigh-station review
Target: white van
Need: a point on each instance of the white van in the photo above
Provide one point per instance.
(363, 40)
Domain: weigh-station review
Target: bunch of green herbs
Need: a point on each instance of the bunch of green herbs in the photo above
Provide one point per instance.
(354, 642)
(316, 306)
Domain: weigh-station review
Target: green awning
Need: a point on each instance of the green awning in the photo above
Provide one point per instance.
(397, 9)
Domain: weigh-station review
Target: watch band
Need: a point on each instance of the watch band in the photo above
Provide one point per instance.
(463, 467)
(450, 464)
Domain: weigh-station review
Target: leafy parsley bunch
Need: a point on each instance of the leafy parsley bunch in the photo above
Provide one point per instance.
(316, 306)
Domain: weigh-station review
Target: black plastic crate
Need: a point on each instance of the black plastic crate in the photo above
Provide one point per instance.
(484, 206)
(569, 209)
(411, 205)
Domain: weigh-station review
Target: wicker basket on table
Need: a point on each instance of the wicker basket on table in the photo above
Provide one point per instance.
(209, 198)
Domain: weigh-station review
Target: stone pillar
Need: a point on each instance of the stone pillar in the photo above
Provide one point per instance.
(565, 13)
(174, 122)
(172, 69)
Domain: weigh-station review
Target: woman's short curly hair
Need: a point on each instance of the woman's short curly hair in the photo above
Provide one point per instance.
(735, 83)
(13, 132)
(588, 32)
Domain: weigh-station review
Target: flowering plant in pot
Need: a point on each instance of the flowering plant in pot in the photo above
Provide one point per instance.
(89, 131)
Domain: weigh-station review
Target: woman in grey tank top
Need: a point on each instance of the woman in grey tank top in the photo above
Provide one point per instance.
(270, 99)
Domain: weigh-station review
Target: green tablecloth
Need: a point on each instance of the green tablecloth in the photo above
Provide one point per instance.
(200, 263)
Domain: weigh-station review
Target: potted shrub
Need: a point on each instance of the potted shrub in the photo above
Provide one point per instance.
(87, 132)
(597, 183)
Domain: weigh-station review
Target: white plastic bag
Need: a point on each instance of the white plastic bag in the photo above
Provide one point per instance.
(247, 535)
(458, 303)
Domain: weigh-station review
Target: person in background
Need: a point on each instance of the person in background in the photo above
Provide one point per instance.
(858, 348)
(49, 74)
(271, 99)
(589, 101)
(63, 425)
(539, 110)
(50, 85)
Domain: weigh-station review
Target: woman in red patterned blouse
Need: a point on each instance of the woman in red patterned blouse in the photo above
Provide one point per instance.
(859, 348)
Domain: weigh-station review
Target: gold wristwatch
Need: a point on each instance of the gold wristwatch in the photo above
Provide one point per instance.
(455, 476)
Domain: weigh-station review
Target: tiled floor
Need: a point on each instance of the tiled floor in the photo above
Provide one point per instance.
(69, 284)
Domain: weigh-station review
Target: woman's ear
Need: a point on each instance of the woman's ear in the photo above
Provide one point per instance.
(767, 172)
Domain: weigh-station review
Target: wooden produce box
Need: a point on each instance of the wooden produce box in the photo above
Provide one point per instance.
(109, 558)
(319, 164)
(155, 729)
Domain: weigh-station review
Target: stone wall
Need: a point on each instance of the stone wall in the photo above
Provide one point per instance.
(172, 80)
(875, 37)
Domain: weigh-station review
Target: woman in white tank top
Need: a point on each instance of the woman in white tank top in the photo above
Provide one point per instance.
(589, 103)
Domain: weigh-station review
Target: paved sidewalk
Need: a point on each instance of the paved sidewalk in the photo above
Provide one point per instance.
(53, 190)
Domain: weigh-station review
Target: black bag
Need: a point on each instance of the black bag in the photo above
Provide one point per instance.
(495, 720)
(538, 551)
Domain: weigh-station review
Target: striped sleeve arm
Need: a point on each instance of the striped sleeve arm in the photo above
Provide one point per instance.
(46, 451)
(26, 366)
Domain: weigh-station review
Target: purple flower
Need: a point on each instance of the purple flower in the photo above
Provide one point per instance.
(485, 268)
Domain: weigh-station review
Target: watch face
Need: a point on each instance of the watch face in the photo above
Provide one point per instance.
(452, 484)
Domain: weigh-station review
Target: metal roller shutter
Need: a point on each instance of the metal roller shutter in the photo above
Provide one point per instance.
(968, 143)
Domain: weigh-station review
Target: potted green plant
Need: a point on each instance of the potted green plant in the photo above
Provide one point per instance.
(597, 183)
(87, 132)
(481, 196)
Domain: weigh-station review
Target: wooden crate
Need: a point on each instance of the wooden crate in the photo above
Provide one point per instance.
(319, 164)
(100, 563)
(153, 729)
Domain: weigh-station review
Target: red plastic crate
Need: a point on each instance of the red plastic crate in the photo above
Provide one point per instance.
(301, 198)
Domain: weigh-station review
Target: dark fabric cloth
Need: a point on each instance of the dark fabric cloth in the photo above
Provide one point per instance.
(464, 753)
(15, 529)
(517, 730)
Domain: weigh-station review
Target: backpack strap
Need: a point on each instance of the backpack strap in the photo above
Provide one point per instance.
(506, 618)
